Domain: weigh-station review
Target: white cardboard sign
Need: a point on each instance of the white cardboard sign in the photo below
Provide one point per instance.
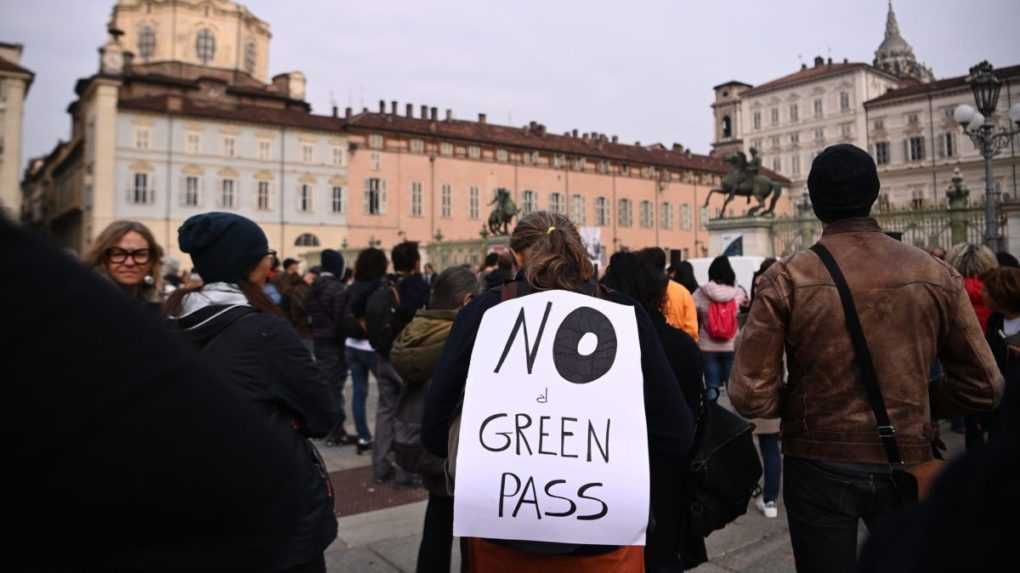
(553, 444)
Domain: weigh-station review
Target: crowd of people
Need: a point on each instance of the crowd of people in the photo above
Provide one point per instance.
(274, 343)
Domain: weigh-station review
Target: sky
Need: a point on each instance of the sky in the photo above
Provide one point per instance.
(640, 69)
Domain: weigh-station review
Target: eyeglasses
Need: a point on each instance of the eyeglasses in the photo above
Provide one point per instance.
(271, 253)
(119, 256)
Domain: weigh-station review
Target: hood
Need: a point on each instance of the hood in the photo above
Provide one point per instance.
(418, 347)
(719, 293)
(206, 312)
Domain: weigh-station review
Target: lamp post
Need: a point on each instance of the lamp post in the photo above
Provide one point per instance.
(989, 139)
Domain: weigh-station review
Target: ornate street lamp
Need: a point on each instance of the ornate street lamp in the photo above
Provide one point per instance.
(988, 138)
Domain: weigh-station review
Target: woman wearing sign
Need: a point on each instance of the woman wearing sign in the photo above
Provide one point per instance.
(551, 256)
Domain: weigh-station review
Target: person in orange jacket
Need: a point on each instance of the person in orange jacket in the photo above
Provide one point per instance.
(678, 308)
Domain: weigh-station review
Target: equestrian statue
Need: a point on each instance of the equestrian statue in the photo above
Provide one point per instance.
(744, 180)
(502, 213)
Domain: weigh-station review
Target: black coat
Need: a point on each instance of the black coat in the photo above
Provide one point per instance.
(123, 447)
(262, 356)
(670, 422)
(325, 306)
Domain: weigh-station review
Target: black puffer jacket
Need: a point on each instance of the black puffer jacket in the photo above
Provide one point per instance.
(262, 356)
(325, 307)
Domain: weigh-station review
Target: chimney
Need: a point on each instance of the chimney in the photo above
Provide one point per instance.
(409, 110)
(424, 112)
(637, 144)
(382, 106)
(435, 113)
(481, 118)
(393, 107)
(348, 113)
(846, 60)
(615, 139)
(803, 66)
(364, 110)
(819, 61)
(830, 62)
(574, 133)
(449, 114)
(335, 111)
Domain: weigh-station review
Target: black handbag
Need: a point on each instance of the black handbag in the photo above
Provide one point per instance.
(911, 484)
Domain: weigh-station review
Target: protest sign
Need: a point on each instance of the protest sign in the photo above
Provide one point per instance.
(553, 443)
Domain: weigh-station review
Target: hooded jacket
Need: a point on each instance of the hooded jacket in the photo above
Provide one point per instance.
(325, 306)
(703, 298)
(261, 355)
(415, 355)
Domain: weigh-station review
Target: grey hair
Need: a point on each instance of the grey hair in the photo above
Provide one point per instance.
(971, 260)
(452, 286)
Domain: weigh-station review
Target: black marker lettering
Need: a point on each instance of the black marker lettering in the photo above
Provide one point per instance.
(534, 498)
(481, 434)
(530, 352)
(573, 506)
(563, 437)
(520, 433)
(580, 493)
(542, 434)
(502, 489)
(593, 437)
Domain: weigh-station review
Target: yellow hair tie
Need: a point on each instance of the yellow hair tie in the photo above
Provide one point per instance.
(550, 230)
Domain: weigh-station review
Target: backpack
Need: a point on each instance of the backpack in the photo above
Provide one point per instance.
(722, 320)
(724, 469)
(381, 323)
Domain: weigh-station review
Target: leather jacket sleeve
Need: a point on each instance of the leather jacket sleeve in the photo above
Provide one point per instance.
(972, 382)
(756, 382)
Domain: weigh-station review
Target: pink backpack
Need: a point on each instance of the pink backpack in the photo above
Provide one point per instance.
(722, 320)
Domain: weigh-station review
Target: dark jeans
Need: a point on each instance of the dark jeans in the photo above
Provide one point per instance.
(773, 464)
(361, 363)
(717, 367)
(980, 429)
(389, 383)
(437, 536)
(823, 507)
(330, 358)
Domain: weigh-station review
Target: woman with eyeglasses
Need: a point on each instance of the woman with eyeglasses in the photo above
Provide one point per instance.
(127, 253)
(249, 343)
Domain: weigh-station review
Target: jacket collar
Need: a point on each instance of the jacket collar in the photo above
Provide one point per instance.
(853, 225)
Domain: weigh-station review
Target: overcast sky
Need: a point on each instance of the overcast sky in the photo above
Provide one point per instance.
(641, 69)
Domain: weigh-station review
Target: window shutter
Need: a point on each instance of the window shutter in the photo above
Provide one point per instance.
(366, 194)
(906, 150)
(382, 196)
(151, 190)
(940, 143)
(219, 194)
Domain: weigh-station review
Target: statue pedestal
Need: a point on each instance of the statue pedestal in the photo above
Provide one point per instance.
(755, 232)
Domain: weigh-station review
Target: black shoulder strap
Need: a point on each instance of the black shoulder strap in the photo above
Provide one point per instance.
(886, 431)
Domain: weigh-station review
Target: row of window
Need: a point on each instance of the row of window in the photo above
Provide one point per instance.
(846, 131)
(264, 152)
(915, 148)
(228, 195)
(559, 160)
(793, 114)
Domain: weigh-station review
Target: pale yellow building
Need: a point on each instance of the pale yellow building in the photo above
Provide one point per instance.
(14, 83)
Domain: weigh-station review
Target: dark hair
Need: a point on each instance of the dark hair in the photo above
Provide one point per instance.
(451, 286)
(1003, 286)
(632, 275)
(720, 272)
(276, 263)
(348, 275)
(289, 262)
(371, 265)
(490, 260)
(554, 256)
(506, 262)
(654, 257)
(761, 270)
(1006, 260)
(683, 273)
(405, 256)
(255, 294)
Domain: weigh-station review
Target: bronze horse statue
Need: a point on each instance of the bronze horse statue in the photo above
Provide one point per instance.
(503, 213)
(744, 181)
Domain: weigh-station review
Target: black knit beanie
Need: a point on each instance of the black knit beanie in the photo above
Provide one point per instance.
(843, 183)
(224, 246)
(332, 262)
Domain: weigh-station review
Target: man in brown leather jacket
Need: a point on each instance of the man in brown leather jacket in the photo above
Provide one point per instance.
(913, 310)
